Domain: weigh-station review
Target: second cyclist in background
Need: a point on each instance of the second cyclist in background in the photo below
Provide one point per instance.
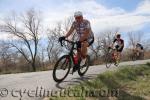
(118, 44)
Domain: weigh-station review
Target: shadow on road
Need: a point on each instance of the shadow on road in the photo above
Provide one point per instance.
(75, 81)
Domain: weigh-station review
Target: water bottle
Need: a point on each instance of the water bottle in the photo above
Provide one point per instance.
(75, 59)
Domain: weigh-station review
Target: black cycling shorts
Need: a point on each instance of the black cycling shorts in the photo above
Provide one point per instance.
(90, 42)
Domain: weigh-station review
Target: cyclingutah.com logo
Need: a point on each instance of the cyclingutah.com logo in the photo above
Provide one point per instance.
(68, 92)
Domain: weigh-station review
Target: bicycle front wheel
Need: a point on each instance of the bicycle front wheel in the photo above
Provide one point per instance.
(62, 68)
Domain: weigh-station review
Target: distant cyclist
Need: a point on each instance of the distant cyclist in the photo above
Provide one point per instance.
(139, 50)
(85, 35)
(118, 44)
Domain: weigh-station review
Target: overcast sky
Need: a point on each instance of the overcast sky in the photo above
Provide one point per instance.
(128, 15)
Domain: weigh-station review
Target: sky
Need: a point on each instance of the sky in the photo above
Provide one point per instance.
(127, 15)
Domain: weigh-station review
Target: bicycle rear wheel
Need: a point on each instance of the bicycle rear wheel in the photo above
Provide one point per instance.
(83, 69)
(62, 68)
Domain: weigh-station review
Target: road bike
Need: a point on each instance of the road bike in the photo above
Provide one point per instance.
(110, 57)
(137, 55)
(69, 63)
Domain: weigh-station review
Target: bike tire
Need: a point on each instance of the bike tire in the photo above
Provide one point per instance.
(56, 68)
(86, 66)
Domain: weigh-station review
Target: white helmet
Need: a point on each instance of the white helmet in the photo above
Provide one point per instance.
(118, 34)
(78, 13)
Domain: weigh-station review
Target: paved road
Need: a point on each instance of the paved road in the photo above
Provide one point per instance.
(31, 86)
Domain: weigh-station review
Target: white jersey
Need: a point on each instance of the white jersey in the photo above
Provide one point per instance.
(80, 28)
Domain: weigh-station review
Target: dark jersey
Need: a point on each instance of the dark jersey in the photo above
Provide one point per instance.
(139, 46)
(119, 42)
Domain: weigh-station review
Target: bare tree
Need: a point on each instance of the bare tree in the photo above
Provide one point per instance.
(7, 57)
(54, 49)
(138, 37)
(134, 38)
(42, 56)
(107, 40)
(96, 48)
(25, 29)
(100, 45)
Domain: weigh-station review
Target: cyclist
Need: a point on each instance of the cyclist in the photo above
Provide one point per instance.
(118, 43)
(85, 35)
(139, 49)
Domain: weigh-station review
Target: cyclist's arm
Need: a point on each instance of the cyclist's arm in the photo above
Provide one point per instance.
(122, 44)
(113, 43)
(70, 31)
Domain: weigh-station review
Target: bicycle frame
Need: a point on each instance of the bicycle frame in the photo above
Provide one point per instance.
(113, 53)
(71, 53)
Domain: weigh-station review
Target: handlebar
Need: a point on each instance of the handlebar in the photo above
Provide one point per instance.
(67, 41)
(111, 48)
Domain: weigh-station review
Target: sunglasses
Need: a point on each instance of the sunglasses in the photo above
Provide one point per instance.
(79, 17)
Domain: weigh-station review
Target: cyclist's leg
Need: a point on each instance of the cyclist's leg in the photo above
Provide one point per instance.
(138, 52)
(116, 53)
(79, 51)
(84, 50)
(115, 56)
(119, 54)
(84, 47)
